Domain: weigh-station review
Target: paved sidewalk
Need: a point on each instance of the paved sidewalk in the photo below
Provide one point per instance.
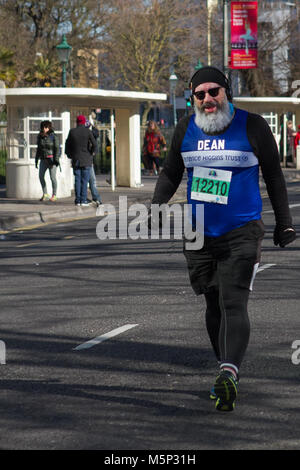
(16, 214)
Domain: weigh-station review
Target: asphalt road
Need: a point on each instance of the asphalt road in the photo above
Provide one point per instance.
(147, 387)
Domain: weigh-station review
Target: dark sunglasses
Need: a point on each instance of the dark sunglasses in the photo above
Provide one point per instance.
(200, 95)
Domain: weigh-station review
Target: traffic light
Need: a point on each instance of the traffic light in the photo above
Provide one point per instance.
(187, 96)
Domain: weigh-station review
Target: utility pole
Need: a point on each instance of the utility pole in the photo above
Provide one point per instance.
(211, 5)
(225, 37)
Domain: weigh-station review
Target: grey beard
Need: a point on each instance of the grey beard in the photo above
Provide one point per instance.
(214, 122)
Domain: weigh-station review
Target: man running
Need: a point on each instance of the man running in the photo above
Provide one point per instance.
(222, 147)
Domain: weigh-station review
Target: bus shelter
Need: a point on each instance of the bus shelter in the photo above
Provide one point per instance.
(277, 111)
(27, 107)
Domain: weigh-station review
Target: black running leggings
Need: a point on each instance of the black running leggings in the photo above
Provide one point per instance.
(222, 270)
(227, 324)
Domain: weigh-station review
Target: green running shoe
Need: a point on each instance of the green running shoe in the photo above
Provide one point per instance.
(225, 389)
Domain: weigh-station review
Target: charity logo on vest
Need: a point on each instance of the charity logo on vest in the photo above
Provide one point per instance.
(219, 157)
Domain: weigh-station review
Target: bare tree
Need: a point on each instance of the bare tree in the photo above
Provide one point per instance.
(17, 44)
(142, 41)
(278, 49)
(136, 42)
(276, 68)
(44, 22)
(7, 68)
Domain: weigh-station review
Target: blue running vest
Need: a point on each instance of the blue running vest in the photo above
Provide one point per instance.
(223, 174)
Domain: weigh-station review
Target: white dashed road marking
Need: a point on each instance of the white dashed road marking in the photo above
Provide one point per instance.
(122, 329)
(100, 339)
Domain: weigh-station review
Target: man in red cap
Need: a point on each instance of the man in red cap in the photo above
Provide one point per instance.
(222, 147)
(80, 146)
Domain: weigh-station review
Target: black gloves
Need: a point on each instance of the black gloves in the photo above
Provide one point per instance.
(56, 162)
(283, 235)
(36, 162)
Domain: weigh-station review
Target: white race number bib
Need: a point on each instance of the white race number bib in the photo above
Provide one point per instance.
(211, 185)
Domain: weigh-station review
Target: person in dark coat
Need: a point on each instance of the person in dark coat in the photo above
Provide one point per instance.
(92, 181)
(80, 146)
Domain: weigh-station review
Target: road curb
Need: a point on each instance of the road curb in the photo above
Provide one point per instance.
(15, 221)
(71, 212)
(78, 212)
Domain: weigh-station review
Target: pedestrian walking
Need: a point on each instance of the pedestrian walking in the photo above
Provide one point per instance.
(291, 134)
(92, 181)
(222, 148)
(48, 152)
(153, 140)
(297, 140)
(80, 146)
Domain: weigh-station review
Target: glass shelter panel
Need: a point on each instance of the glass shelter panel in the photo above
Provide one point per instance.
(272, 120)
(24, 127)
(34, 129)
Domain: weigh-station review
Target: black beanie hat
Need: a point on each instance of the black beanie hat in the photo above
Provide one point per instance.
(209, 74)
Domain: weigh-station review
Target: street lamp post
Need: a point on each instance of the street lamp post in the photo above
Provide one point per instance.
(173, 81)
(211, 4)
(63, 52)
(225, 37)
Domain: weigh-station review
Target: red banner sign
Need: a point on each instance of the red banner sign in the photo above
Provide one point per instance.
(243, 35)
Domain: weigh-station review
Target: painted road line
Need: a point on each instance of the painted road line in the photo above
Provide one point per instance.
(45, 224)
(29, 227)
(265, 266)
(106, 336)
(27, 244)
